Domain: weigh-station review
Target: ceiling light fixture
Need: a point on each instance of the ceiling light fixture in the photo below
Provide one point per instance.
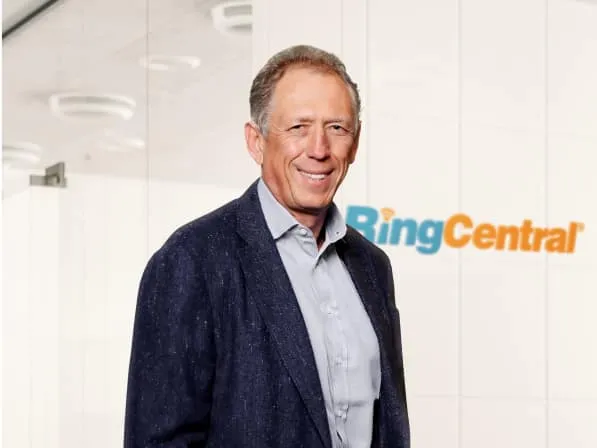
(21, 154)
(87, 105)
(233, 17)
(112, 142)
(163, 63)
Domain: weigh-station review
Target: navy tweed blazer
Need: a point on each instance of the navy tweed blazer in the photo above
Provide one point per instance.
(220, 354)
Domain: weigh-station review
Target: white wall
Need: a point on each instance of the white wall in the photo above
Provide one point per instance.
(72, 264)
(482, 107)
(487, 108)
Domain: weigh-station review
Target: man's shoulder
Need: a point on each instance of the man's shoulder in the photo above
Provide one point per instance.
(214, 229)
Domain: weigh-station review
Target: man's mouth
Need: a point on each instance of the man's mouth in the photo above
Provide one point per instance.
(315, 175)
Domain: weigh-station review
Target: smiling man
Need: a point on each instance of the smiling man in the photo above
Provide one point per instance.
(269, 322)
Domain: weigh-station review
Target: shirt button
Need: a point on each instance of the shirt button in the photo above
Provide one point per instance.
(329, 309)
(303, 232)
(341, 414)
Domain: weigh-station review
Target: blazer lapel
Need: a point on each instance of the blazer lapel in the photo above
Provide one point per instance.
(269, 286)
(365, 280)
(363, 275)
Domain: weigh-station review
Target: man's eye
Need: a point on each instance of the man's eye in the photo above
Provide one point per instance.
(339, 129)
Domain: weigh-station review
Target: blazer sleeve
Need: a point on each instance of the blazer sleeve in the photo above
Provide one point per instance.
(172, 360)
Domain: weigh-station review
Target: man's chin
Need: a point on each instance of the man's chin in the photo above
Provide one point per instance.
(314, 207)
(312, 202)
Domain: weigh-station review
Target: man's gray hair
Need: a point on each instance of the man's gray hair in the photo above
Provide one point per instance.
(265, 82)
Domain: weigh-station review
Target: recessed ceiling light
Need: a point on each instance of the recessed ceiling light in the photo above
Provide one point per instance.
(86, 105)
(164, 63)
(233, 17)
(21, 154)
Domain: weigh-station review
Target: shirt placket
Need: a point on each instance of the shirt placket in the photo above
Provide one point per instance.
(336, 351)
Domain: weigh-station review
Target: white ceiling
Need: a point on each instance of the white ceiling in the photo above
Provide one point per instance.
(15, 10)
(192, 121)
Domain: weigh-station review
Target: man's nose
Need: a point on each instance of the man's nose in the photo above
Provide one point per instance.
(319, 146)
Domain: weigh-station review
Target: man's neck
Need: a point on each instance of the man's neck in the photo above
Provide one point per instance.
(314, 222)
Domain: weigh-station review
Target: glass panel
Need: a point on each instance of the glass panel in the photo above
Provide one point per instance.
(122, 121)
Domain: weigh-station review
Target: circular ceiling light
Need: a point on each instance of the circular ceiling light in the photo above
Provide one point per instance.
(85, 105)
(21, 154)
(163, 63)
(233, 17)
(112, 142)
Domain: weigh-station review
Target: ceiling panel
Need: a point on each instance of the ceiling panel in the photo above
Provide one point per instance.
(192, 121)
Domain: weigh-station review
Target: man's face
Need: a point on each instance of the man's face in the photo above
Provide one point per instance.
(311, 140)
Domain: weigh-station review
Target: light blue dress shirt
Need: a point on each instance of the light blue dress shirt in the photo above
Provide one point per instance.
(343, 340)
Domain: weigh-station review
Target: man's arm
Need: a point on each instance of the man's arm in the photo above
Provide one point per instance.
(172, 360)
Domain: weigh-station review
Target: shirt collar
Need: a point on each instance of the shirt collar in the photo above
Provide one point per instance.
(279, 220)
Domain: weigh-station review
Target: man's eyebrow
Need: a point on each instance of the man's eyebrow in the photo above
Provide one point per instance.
(347, 122)
(338, 120)
(307, 119)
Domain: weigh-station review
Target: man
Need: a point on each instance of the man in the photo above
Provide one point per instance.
(268, 322)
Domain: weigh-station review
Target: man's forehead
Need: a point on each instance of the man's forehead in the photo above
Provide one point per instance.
(295, 75)
(295, 94)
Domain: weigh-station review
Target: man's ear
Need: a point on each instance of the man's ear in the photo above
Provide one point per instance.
(255, 142)
(355, 144)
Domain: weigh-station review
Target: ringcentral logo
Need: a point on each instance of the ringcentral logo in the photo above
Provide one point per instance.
(460, 230)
